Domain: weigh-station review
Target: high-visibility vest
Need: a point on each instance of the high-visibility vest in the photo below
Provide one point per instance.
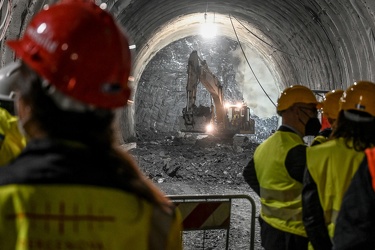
(12, 141)
(280, 194)
(319, 140)
(332, 166)
(82, 217)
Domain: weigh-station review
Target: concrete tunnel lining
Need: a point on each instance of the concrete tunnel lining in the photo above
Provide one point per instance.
(322, 44)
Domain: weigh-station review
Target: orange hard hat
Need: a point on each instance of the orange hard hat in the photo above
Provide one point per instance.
(295, 94)
(360, 97)
(331, 103)
(81, 51)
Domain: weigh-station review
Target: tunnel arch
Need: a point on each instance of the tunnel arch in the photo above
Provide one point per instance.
(322, 44)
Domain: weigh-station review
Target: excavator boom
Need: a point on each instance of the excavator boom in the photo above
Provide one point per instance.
(226, 120)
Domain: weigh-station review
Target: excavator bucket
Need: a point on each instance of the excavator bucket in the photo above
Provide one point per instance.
(197, 121)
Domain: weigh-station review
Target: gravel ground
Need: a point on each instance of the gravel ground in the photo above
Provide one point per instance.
(197, 165)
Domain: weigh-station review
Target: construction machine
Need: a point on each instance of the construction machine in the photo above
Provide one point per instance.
(221, 119)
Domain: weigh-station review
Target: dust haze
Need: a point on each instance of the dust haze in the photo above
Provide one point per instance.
(253, 94)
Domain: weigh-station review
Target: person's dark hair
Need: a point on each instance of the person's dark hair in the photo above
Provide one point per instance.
(362, 134)
(92, 128)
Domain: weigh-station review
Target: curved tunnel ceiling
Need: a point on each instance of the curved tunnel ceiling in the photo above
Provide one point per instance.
(190, 25)
(323, 44)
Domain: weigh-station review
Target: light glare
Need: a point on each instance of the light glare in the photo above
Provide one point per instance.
(208, 30)
(209, 127)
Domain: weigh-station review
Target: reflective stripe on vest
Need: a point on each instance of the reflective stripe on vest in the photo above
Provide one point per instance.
(280, 194)
(370, 153)
(332, 166)
(80, 217)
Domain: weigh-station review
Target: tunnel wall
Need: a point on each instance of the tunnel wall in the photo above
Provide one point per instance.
(323, 44)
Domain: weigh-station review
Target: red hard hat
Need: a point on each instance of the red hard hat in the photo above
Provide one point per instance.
(80, 50)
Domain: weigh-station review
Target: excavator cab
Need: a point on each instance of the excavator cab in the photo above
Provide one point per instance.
(239, 119)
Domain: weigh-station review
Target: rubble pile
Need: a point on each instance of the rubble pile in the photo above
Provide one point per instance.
(185, 163)
(199, 158)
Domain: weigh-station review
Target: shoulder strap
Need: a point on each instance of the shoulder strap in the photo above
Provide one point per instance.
(370, 153)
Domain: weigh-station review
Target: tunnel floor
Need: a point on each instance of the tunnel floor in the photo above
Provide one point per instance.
(185, 164)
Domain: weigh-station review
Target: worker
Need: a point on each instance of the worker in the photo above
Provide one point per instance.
(331, 165)
(12, 141)
(330, 110)
(275, 172)
(72, 187)
(355, 222)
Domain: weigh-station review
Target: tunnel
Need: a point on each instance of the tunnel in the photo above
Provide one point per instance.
(322, 44)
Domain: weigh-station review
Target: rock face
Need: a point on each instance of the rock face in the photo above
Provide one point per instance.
(161, 92)
(167, 72)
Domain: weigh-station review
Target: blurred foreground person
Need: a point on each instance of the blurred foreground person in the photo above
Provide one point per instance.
(355, 223)
(11, 139)
(330, 111)
(72, 187)
(275, 172)
(331, 165)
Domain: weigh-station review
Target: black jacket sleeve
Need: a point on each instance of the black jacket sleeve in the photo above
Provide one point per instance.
(250, 176)
(355, 225)
(313, 216)
(295, 162)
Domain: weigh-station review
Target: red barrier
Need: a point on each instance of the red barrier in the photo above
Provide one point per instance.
(205, 215)
(212, 212)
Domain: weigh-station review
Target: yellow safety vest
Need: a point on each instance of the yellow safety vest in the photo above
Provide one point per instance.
(82, 217)
(280, 194)
(12, 141)
(319, 140)
(332, 166)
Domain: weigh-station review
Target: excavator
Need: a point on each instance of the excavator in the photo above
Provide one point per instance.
(221, 119)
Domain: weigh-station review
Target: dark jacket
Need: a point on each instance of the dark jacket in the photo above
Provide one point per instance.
(313, 216)
(355, 225)
(63, 162)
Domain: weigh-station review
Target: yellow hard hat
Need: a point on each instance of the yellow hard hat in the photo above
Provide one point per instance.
(360, 96)
(331, 103)
(295, 94)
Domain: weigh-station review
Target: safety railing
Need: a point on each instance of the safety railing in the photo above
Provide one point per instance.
(212, 212)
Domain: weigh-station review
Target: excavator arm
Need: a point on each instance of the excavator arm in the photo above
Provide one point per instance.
(197, 118)
(213, 85)
(193, 71)
(198, 71)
